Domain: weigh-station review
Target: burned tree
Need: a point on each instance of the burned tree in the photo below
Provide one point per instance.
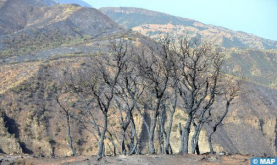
(66, 112)
(214, 90)
(78, 84)
(229, 94)
(169, 105)
(154, 69)
(155, 80)
(126, 98)
(109, 69)
(127, 92)
(95, 86)
(169, 101)
(197, 75)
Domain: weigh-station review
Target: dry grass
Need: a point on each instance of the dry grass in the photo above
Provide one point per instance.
(12, 75)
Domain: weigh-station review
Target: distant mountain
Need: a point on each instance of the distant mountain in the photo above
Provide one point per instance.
(132, 17)
(79, 2)
(46, 2)
(151, 23)
(51, 26)
(70, 20)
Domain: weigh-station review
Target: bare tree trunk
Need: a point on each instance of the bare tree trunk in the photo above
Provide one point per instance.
(185, 136)
(67, 115)
(150, 130)
(168, 148)
(101, 145)
(132, 142)
(153, 127)
(134, 146)
(123, 147)
(210, 142)
(195, 138)
(219, 121)
(193, 141)
(197, 150)
(69, 135)
(162, 132)
(152, 134)
(197, 144)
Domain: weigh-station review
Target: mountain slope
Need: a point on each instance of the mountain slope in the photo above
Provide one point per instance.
(133, 17)
(88, 20)
(51, 26)
(79, 2)
(52, 38)
(31, 103)
(151, 23)
(255, 65)
(14, 13)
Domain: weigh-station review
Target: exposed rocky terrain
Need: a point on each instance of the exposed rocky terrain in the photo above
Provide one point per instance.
(49, 38)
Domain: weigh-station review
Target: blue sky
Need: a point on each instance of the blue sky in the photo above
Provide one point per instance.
(258, 17)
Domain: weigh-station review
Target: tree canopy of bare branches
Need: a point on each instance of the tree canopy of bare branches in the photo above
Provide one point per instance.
(155, 79)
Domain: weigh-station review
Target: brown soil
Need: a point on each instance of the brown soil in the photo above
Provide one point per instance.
(129, 160)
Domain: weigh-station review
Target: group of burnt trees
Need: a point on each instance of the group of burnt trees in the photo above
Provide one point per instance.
(153, 80)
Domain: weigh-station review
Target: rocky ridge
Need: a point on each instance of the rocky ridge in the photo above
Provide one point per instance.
(152, 24)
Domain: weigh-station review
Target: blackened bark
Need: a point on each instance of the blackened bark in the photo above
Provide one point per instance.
(195, 138)
(219, 121)
(168, 148)
(151, 135)
(69, 135)
(101, 151)
(162, 129)
(67, 115)
(210, 142)
(185, 136)
(134, 144)
(123, 147)
(153, 128)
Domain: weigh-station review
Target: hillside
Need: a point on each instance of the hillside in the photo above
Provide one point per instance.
(151, 23)
(30, 112)
(44, 40)
(14, 13)
(257, 66)
(51, 27)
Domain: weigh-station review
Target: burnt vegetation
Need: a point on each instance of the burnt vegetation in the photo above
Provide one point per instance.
(116, 89)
